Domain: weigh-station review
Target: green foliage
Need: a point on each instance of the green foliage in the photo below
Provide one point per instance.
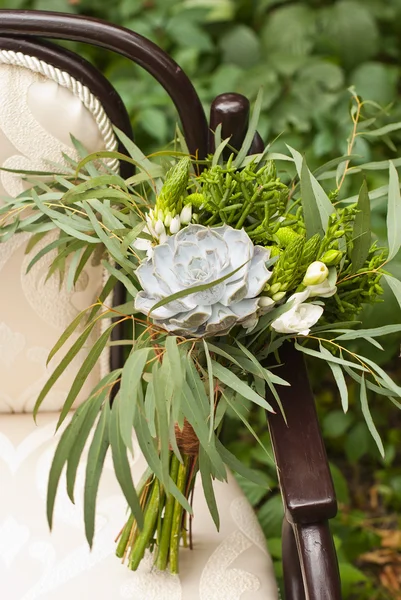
(306, 54)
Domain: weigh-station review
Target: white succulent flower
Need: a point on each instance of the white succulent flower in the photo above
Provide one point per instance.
(200, 255)
(300, 317)
(316, 273)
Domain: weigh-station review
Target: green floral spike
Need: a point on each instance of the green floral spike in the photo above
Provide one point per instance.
(170, 197)
(197, 200)
(309, 255)
(285, 235)
(285, 270)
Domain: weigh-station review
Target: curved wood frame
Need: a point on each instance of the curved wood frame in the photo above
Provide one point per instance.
(82, 71)
(310, 562)
(127, 43)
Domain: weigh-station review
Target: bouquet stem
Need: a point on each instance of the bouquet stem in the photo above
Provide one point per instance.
(164, 518)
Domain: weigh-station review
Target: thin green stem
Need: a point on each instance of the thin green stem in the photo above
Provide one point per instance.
(122, 544)
(163, 545)
(177, 516)
(148, 531)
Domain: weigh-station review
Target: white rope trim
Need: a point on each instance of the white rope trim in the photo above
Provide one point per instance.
(94, 106)
(18, 59)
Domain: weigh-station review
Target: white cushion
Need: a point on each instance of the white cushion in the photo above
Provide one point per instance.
(230, 565)
(37, 116)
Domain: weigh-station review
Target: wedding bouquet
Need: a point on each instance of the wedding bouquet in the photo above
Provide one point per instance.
(222, 261)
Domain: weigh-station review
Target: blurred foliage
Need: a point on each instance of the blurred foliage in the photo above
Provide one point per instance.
(306, 55)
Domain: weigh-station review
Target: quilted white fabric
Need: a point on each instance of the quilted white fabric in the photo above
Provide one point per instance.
(36, 117)
(230, 565)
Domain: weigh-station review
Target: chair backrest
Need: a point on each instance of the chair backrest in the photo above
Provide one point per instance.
(47, 94)
(40, 107)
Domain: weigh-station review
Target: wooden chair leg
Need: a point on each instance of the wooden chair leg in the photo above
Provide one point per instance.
(293, 581)
(318, 561)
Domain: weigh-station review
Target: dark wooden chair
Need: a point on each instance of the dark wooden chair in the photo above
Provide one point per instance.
(310, 562)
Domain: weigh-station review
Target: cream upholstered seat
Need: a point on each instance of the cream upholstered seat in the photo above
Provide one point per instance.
(37, 116)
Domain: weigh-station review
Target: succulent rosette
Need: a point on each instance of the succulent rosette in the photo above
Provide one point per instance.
(199, 255)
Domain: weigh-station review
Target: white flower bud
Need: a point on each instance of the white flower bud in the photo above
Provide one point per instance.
(175, 225)
(167, 219)
(159, 228)
(149, 227)
(278, 296)
(275, 288)
(265, 301)
(316, 273)
(186, 214)
(163, 238)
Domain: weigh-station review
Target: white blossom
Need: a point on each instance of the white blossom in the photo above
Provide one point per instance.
(300, 317)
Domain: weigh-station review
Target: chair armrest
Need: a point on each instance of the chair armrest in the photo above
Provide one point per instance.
(302, 466)
(310, 562)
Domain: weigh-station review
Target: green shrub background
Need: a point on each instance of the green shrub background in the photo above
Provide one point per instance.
(306, 55)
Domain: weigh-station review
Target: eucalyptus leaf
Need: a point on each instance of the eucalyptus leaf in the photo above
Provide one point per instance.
(381, 131)
(94, 402)
(339, 378)
(393, 213)
(130, 380)
(112, 245)
(333, 359)
(64, 446)
(198, 420)
(395, 286)
(84, 371)
(121, 464)
(211, 389)
(118, 274)
(61, 367)
(162, 416)
(207, 484)
(361, 233)
(236, 465)
(232, 381)
(368, 417)
(96, 457)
